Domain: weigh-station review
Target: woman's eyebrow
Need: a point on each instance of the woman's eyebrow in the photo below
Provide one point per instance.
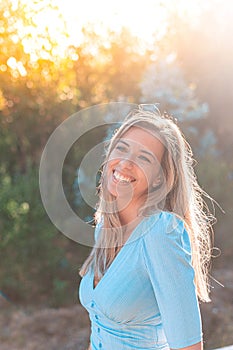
(125, 143)
(149, 153)
(142, 150)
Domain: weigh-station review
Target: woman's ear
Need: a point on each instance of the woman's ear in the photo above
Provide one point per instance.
(156, 181)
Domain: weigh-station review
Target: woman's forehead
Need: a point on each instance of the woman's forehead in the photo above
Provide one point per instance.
(141, 130)
(143, 138)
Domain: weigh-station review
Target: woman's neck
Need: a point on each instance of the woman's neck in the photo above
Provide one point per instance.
(129, 214)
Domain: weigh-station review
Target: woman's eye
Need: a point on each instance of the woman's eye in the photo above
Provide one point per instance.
(145, 159)
(121, 148)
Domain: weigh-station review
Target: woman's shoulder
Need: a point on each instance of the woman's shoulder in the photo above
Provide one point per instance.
(166, 232)
(164, 224)
(166, 218)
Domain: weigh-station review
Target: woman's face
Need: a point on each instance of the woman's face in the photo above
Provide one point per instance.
(134, 164)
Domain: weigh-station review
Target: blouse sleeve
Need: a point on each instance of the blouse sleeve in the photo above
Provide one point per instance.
(167, 254)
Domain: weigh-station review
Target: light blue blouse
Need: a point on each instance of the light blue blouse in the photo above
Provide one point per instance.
(147, 297)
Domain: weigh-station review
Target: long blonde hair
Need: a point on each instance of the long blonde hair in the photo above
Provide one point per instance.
(183, 196)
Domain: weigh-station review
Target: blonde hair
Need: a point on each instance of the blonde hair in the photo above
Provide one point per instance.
(179, 193)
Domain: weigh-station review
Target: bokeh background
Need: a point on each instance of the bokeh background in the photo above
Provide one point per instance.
(59, 57)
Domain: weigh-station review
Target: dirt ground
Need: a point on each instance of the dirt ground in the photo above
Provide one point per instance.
(31, 328)
(46, 329)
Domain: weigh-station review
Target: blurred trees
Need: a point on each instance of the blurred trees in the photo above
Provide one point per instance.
(205, 56)
(32, 102)
(39, 89)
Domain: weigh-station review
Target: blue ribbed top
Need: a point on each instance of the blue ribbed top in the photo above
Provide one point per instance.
(147, 297)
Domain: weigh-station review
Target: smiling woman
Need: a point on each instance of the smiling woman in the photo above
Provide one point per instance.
(133, 168)
(149, 265)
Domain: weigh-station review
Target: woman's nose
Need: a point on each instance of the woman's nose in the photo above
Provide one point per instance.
(127, 162)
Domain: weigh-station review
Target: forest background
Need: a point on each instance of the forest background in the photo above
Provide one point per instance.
(45, 77)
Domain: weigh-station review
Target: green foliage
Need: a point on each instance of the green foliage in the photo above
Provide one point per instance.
(215, 177)
(29, 258)
(59, 291)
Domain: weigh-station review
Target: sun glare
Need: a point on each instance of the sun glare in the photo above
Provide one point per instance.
(143, 19)
(146, 20)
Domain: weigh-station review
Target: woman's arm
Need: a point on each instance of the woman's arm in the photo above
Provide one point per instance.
(198, 346)
(167, 253)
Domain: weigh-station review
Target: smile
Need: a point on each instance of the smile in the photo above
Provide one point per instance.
(121, 178)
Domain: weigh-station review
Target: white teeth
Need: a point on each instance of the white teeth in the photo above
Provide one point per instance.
(120, 177)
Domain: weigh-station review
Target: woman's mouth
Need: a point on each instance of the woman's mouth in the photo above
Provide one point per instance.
(119, 177)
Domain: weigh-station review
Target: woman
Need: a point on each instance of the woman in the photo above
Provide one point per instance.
(149, 265)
